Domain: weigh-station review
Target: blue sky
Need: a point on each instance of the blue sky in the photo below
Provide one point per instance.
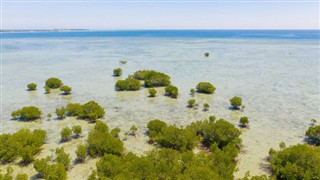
(160, 15)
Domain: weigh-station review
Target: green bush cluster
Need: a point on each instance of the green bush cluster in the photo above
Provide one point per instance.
(191, 102)
(66, 89)
(152, 92)
(117, 72)
(221, 132)
(63, 158)
(101, 141)
(8, 175)
(27, 113)
(67, 132)
(236, 102)
(296, 162)
(129, 84)
(90, 110)
(244, 121)
(23, 143)
(81, 152)
(205, 87)
(313, 133)
(152, 78)
(53, 83)
(32, 86)
(168, 164)
(50, 171)
(171, 91)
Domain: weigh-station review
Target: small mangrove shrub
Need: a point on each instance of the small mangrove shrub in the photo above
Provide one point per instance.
(32, 86)
(117, 72)
(171, 91)
(152, 92)
(53, 83)
(236, 102)
(205, 87)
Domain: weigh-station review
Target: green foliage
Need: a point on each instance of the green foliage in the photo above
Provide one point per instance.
(155, 127)
(40, 165)
(55, 172)
(65, 134)
(47, 89)
(63, 158)
(221, 133)
(313, 133)
(192, 92)
(73, 109)
(167, 164)
(8, 175)
(152, 78)
(27, 113)
(61, 112)
(206, 106)
(313, 121)
(152, 92)
(81, 152)
(65, 89)
(133, 130)
(212, 119)
(50, 171)
(205, 87)
(23, 143)
(115, 132)
(53, 83)
(77, 130)
(129, 84)
(101, 141)
(206, 54)
(32, 86)
(117, 72)
(21, 176)
(297, 162)
(244, 121)
(92, 111)
(236, 102)
(49, 116)
(171, 91)
(191, 102)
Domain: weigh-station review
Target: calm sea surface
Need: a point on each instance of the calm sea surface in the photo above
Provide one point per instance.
(275, 72)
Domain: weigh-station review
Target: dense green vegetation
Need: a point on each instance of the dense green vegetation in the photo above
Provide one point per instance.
(313, 133)
(191, 102)
(244, 121)
(90, 110)
(32, 86)
(152, 78)
(23, 143)
(192, 92)
(63, 158)
(65, 134)
(53, 83)
(50, 171)
(206, 107)
(81, 152)
(236, 102)
(61, 112)
(171, 91)
(129, 84)
(77, 130)
(152, 92)
(47, 90)
(101, 141)
(27, 113)
(205, 87)
(117, 72)
(206, 54)
(65, 89)
(168, 163)
(296, 162)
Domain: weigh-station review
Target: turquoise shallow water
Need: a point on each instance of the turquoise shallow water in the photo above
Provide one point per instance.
(277, 78)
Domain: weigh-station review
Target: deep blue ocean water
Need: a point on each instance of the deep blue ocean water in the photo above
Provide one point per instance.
(246, 34)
